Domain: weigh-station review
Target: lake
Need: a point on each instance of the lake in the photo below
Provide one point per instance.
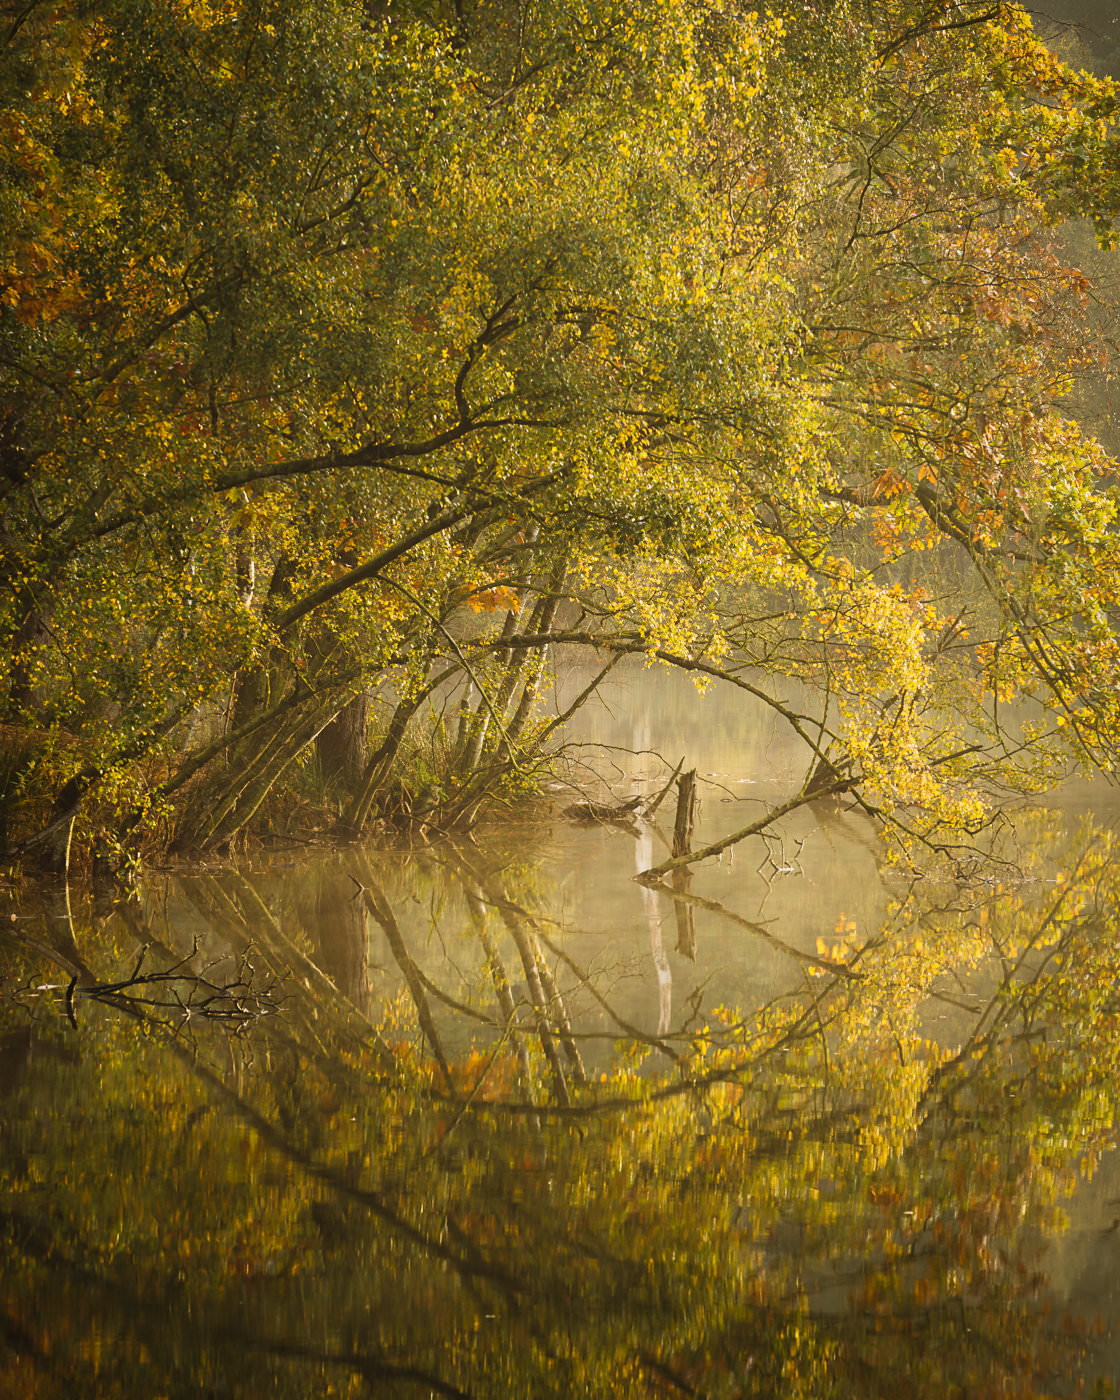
(491, 1118)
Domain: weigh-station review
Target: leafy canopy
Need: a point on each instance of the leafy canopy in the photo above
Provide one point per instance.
(353, 345)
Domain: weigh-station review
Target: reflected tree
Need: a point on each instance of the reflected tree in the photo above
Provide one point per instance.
(807, 1197)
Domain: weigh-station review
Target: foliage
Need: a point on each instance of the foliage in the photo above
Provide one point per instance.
(363, 350)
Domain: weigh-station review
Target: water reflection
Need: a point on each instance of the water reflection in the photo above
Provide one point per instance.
(495, 1120)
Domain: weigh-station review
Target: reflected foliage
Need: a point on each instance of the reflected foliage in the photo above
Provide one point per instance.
(457, 1190)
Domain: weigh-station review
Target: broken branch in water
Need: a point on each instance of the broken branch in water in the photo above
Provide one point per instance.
(187, 994)
(653, 875)
(651, 807)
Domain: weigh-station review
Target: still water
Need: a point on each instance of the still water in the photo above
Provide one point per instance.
(490, 1118)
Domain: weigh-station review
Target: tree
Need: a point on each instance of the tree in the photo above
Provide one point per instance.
(353, 351)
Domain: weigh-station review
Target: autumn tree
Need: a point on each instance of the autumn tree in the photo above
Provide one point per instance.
(353, 352)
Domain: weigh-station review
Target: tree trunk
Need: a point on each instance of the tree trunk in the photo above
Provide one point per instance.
(223, 806)
(686, 813)
(342, 747)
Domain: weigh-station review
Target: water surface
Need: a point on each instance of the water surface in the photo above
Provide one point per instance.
(492, 1119)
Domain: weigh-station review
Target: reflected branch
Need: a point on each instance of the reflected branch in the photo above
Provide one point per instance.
(381, 910)
(500, 979)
